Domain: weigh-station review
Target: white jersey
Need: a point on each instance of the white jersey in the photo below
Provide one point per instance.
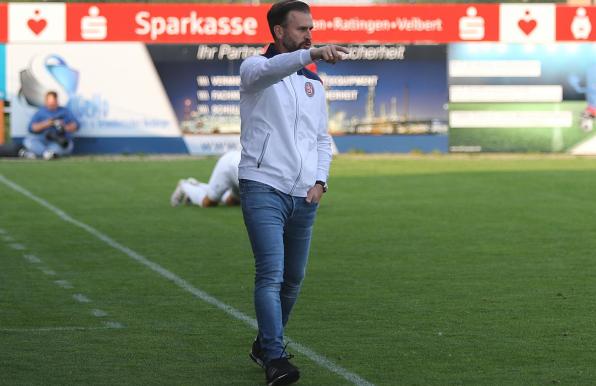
(223, 182)
(224, 176)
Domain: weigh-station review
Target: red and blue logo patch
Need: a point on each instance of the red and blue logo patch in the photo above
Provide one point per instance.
(309, 89)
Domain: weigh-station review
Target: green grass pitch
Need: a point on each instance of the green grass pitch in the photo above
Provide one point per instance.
(429, 271)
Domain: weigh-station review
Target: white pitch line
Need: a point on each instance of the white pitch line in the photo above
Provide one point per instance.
(2, 231)
(17, 246)
(31, 258)
(81, 298)
(46, 329)
(63, 283)
(98, 313)
(113, 325)
(317, 358)
(7, 238)
(47, 271)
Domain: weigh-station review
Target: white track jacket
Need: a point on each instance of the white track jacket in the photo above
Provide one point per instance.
(283, 110)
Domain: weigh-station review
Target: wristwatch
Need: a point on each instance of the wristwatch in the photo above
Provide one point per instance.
(323, 184)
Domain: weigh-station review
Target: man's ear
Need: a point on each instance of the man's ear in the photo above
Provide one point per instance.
(278, 30)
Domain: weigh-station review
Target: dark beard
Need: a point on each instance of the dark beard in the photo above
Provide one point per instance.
(291, 46)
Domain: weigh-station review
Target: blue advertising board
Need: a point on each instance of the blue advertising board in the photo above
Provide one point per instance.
(383, 98)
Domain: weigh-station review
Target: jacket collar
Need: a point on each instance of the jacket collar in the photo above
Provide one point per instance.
(271, 51)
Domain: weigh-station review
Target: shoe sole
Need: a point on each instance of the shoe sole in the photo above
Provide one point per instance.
(257, 360)
(285, 379)
(174, 202)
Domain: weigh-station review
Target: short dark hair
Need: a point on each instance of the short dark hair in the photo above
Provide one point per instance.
(278, 13)
(52, 93)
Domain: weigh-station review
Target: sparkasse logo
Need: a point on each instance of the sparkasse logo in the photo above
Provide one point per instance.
(155, 26)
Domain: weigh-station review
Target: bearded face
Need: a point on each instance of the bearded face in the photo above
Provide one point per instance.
(296, 33)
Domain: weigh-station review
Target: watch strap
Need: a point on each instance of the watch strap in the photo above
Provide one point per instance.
(323, 184)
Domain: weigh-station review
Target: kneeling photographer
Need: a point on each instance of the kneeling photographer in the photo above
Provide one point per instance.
(50, 131)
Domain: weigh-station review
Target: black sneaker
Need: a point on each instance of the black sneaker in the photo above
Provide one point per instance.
(256, 354)
(281, 372)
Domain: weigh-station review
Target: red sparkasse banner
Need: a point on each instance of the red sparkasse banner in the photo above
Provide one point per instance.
(167, 23)
(3, 22)
(208, 23)
(576, 23)
(406, 23)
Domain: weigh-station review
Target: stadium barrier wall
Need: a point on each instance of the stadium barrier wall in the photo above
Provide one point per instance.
(164, 78)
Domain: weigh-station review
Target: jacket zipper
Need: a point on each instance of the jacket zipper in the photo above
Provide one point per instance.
(295, 134)
(263, 151)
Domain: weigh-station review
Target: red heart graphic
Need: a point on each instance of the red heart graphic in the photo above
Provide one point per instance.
(527, 25)
(37, 25)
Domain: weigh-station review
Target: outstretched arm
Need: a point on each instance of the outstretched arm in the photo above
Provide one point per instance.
(258, 72)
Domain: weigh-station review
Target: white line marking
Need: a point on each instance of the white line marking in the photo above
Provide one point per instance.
(45, 329)
(317, 358)
(17, 246)
(63, 283)
(81, 298)
(113, 325)
(31, 258)
(99, 313)
(2, 231)
(7, 238)
(47, 271)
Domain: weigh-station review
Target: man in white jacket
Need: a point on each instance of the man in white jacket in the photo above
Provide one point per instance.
(284, 165)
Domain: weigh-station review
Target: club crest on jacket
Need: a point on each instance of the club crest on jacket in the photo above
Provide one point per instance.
(309, 89)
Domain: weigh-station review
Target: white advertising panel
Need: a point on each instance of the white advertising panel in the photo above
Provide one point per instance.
(112, 88)
(527, 23)
(36, 22)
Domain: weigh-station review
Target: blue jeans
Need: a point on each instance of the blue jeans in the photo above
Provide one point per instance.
(38, 143)
(279, 227)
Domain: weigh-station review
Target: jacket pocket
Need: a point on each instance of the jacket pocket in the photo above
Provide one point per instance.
(263, 150)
